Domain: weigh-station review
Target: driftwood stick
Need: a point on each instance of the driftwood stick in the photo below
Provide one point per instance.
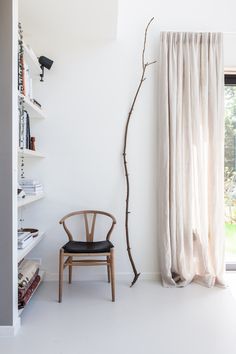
(127, 212)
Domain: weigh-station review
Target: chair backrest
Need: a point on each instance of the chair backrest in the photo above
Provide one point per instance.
(88, 215)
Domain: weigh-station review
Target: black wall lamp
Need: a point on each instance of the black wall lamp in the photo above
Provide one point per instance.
(44, 63)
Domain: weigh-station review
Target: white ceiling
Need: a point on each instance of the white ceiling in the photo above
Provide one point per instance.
(69, 19)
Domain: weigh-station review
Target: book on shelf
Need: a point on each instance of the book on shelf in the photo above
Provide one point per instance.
(23, 76)
(28, 181)
(31, 187)
(34, 190)
(27, 133)
(24, 239)
(26, 236)
(28, 281)
(27, 82)
(25, 86)
(24, 130)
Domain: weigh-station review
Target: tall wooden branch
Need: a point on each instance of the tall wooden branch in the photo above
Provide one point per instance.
(144, 67)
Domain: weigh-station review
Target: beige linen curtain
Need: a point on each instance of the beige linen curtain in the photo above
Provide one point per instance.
(191, 147)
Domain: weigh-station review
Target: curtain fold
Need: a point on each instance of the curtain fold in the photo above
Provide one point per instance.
(191, 158)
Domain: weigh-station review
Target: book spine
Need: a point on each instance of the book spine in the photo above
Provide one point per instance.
(29, 182)
(24, 131)
(26, 79)
(20, 128)
(27, 132)
(23, 76)
(20, 59)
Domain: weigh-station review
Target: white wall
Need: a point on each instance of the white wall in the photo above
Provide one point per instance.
(87, 19)
(87, 95)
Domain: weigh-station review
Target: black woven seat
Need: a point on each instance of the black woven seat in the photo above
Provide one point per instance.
(88, 247)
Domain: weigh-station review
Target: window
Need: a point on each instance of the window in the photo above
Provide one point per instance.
(230, 170)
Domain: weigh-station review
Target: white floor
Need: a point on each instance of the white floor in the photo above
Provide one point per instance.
(145, 319)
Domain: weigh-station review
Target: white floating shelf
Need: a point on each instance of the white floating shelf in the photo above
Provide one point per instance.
(42, 275)
(23, 252)
(29, 199)
(29, 153)
(33, 110)
(32, 60)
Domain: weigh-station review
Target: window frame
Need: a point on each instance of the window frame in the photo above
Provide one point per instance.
(230, 80)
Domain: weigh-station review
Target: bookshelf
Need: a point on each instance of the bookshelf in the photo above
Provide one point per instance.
(29, 112)
(29, 153)
(30, 199)
(34, 111)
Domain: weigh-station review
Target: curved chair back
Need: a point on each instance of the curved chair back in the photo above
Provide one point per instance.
(88, 215)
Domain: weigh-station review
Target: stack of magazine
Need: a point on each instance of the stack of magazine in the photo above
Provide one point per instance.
(31, 186)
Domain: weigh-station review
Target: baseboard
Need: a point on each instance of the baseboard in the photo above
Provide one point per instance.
(120, 276)
(10, 331)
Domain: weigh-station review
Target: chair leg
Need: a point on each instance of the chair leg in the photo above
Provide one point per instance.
(70, 271)
(112, 275)
(108, 270)
(61, 268)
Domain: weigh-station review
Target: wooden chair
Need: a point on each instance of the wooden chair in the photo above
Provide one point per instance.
(87, 248)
